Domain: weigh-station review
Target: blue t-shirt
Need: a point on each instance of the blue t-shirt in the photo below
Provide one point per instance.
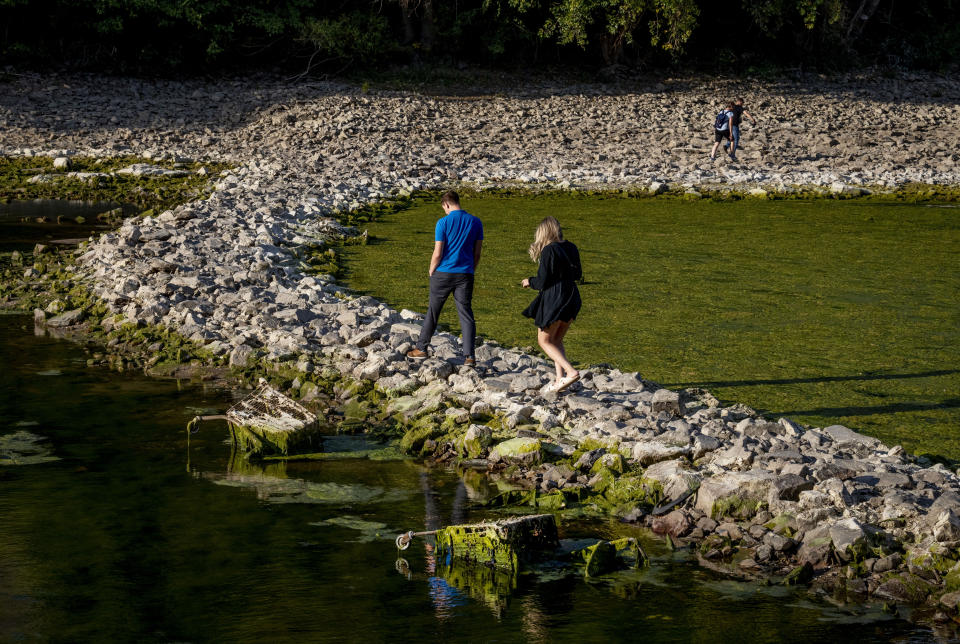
(459, 232)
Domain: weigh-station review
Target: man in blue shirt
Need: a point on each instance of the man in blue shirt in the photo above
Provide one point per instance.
(456, 253)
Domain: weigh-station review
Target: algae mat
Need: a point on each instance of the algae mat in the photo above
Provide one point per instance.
(824, 311)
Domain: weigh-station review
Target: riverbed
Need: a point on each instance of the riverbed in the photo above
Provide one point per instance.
(136, 534)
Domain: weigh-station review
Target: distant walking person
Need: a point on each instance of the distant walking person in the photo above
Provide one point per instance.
(558, 302)
(738, 114)
(721, 130)
(456, 253)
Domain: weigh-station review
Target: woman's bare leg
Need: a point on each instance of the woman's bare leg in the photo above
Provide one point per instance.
(551, 341)
(560, 333)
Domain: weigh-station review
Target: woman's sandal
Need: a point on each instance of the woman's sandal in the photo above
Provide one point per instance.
(566, 382)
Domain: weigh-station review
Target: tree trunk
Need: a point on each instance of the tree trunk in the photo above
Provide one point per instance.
(406, 11)
(427, 26)
(859, 20)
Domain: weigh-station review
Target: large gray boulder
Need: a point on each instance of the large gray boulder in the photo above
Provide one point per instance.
(674, 477)
(667, 401)
(846, 438)
(654, 451)
(70, 318)
(735, 493)
(850, 538)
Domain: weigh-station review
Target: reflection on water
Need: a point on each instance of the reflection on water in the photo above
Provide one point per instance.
(115, 542)
(484, 584)
(270, 481)
(25, 223)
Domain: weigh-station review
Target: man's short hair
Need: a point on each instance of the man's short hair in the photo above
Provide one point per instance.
(451, 197)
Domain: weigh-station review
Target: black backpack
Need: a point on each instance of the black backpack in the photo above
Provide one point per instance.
(721, 120)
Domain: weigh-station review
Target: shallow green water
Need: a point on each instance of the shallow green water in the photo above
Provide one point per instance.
(131, 537)
(822, 311)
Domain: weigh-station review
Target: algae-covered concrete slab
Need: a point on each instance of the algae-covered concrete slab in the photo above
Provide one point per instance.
(268, 422)
(500, 544)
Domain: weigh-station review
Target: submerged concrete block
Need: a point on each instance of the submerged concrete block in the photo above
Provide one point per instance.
(501, 544)
(267, 422)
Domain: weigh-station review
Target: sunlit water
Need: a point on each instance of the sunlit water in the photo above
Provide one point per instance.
(120, 530)
(26, 223)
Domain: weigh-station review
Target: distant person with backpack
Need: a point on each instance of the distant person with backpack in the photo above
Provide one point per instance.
(738, 114)
(721, 130)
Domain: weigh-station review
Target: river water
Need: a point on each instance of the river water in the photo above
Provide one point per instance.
(116, 528)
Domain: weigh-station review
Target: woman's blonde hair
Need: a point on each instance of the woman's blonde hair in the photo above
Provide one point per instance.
(547, 232)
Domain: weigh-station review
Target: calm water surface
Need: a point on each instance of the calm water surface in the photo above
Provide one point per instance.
(130, 536)
(25, 223)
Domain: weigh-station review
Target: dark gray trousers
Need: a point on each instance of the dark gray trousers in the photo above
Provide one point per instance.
(441, 286)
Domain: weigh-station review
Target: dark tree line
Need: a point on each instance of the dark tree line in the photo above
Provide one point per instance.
(161, 36)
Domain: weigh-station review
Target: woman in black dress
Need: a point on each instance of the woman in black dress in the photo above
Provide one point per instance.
(558, 302)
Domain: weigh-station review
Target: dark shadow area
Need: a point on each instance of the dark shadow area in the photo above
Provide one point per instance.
(950, 403)
(800, 381)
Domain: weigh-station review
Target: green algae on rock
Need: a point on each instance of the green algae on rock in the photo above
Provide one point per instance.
(606, 556)
(501, 544)
(518, 451)
(123, 179)
(267, 422)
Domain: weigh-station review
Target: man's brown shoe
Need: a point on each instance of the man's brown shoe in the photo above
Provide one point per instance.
(416, 354)
(469, 362)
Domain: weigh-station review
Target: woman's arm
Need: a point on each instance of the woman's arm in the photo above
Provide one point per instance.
(576, 269)
(546, 268)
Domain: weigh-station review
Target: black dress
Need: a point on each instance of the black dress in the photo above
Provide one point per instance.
(559, 298)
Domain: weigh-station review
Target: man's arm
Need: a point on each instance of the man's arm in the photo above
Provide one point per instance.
(476, 253)
(749, 116)
(437, 256)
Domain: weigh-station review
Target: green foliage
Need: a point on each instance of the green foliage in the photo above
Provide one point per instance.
(357, 36)
(613, 23)
(172, 35)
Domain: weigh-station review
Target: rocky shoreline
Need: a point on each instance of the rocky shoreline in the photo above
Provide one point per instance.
(227, 273)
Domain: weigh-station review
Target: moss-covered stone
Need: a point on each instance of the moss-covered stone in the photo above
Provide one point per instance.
(606, 556)
(518, 451)
(413, 440)
(952, 579)
(602, 479)
(612, 461)
(737, 507)
(783, 524)
(514, 497)
(476, 440)
(799, 576)
(552, 502)
(631, 491)
(600, 559)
